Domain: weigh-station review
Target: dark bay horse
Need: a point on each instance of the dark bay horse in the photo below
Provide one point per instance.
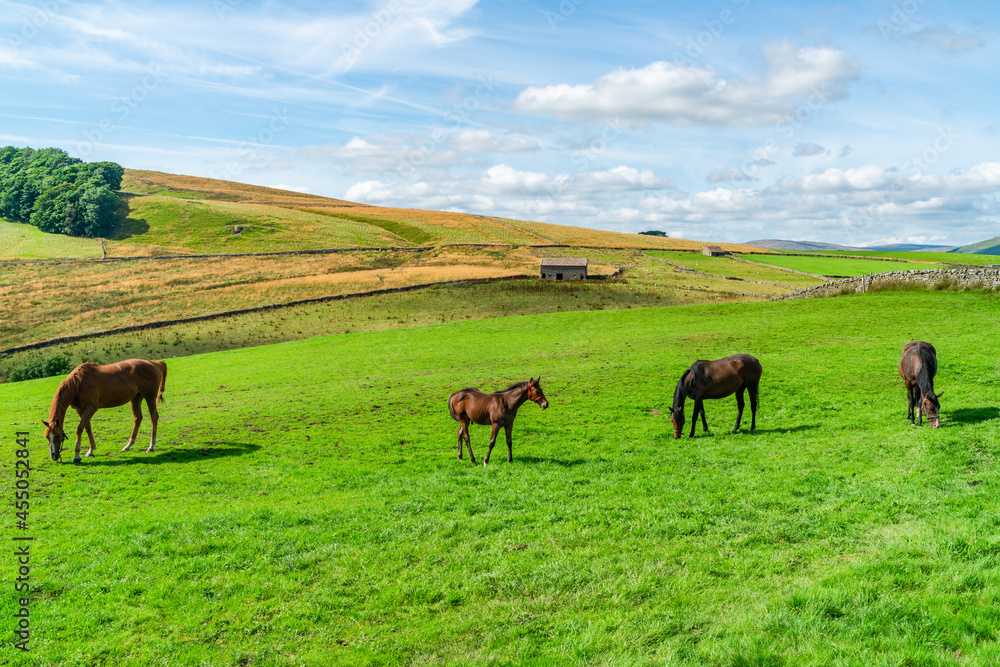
(90, 387)
(496, 409)
(918, 366)
(716, 379)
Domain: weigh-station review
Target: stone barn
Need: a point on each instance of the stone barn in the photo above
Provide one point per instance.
(714, 251)
(564, 268)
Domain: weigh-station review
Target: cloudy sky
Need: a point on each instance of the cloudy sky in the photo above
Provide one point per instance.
(858, 122)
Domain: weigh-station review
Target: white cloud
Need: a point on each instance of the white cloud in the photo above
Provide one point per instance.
(502, 179)
(697, 95)
(838, 180)
(292, 188)
(622, 178)
(850, 205)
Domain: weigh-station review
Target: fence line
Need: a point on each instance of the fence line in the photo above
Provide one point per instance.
(274, 306)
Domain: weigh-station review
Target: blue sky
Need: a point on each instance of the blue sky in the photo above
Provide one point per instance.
(728, 120)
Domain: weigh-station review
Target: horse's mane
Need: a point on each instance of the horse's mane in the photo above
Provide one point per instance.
(72, 383)
(927, 362)
(516, 385)
(691, 379)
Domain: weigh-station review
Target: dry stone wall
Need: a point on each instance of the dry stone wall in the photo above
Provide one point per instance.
(983, 277)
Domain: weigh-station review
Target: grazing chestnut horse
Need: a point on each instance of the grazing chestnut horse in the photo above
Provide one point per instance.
(91, 387)
(716, 379)
(496, 409)
(918, 366)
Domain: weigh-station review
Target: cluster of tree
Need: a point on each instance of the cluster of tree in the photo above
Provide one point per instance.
(59, 194)
(654, 232)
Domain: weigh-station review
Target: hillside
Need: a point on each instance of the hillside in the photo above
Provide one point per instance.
(796, 246)
(191, 214)
(157, 277)
(811, 246)
(987, 247)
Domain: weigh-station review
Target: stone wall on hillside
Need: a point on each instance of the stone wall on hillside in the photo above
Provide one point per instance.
(983, 277)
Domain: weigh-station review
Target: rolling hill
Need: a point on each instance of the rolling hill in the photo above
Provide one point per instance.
(191, 214)
(812, 246)
(987, 247)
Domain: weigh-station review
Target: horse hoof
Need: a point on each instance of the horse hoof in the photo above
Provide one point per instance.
(77, 460)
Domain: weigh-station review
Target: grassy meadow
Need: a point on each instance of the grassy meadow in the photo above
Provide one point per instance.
(840, 266)
(44, 300)
(27, 242)
(305, 505)
(957, 258)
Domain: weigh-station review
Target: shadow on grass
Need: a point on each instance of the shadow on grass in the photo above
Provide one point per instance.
(139, 457)
(129, 227)
(973, 415)
(793, 429)
(559, 462)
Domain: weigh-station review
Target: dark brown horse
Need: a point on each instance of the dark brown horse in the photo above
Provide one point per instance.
(90, 387)
(716, 379)
(496, 409)
(918, 366)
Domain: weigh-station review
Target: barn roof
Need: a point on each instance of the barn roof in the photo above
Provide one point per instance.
(714, 248)
(564, 261)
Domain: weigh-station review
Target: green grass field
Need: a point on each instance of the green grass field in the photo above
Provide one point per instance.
(914, 256)
(306, 507)
(728, 266)
(836, 266)
(22, 241)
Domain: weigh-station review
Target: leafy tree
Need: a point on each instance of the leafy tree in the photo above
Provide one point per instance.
(59, 194)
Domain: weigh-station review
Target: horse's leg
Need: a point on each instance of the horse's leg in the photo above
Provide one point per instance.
(468, 439)
(154, 416)
(911, 401)
(699, 408)
(84, 425)
(753, 406)
(493, 439)
(136, 420)
(704, 423)
(90, 437)
(463, 434)
(509, 428)
(739, 407)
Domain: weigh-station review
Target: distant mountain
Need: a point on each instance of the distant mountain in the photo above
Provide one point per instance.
(804, 246)
(777, 244)
(987, 247)
(912, 247)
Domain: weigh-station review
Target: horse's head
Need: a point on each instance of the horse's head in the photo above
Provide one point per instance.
(677, 420)
(56, 436)
(930, 407)
(536, 394)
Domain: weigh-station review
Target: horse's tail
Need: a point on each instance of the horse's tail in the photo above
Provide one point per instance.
(162, 365)
(451, 406)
